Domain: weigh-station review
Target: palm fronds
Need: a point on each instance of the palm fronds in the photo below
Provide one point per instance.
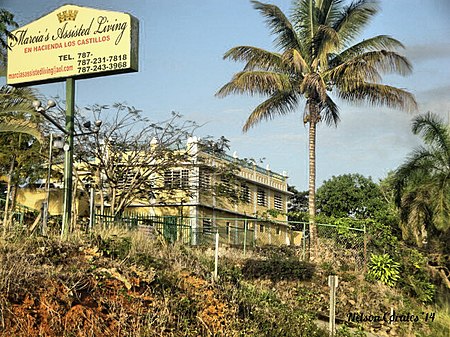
(281, 103)
(256, 82)
(281, 27)
(422, 182)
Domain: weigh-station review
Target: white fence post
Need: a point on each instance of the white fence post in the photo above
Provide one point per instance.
(216, 257)
(332, 283)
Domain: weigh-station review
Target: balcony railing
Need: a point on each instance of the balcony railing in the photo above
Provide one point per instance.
(252, 166)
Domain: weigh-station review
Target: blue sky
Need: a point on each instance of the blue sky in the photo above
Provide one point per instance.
(181, 68)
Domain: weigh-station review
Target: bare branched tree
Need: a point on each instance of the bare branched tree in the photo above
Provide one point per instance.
(131, 159)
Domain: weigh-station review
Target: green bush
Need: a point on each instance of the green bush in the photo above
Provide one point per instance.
(114, 246)
(381, 237)
(383, 268)
(278, 269)
(265, 315)
(416, 282)
(277, 252)
(345, 331)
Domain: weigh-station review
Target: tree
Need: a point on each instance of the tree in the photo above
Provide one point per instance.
(422, 182)
(297, 205)
(131, 157)
(315, 58)
(350, 195)
(6, 23)
(129, 154)
(20, 144)
(16, 112)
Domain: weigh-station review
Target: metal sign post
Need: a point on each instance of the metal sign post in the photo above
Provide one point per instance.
(68, 156)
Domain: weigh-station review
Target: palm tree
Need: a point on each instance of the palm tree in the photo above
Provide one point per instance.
(17, 117)
(6, 21)
(16, 112)
(316, 58)
(422, 182)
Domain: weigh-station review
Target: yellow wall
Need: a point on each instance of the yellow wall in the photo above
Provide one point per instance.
(296, 238)
(34, 197)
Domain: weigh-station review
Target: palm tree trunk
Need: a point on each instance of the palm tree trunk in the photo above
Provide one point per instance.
(313, 119)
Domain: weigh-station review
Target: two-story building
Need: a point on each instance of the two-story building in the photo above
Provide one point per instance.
(225, 193)
(207, 192)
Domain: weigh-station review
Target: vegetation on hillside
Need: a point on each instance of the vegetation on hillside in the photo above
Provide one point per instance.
(124, 283)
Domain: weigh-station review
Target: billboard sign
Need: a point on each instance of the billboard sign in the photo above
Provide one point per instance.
(73, 41)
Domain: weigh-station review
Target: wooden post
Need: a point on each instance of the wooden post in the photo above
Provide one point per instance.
(332, 283)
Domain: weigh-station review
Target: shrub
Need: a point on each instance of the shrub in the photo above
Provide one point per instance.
(383, 268)
(265, 315)
(345, 331)
(278, 269)
(417, 281)
(114, 246)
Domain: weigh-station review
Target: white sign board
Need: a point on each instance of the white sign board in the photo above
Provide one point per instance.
(73, 41)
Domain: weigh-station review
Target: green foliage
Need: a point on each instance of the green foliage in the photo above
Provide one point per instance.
(344, 331)
(7, 24)
(229, 272)
(265, 315)
(423, 291)
(416, 281)
(422, 182)
(278, 263)
(19, 128)
(298, 204)
(277, 270)
(148, 261)
(350, 195)
(329, 268)
(383, 268)
(346, 232)
(381, 237)
(278, 252)
(114, 246)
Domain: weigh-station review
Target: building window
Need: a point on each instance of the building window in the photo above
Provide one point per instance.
(277, 230)
(278, 202)
(207, 226)
(245, 193)
(225, 186)
(184, 178)
(127, 178)
(262, 197)
(261, 228)
(205, 179)
(177, 179)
